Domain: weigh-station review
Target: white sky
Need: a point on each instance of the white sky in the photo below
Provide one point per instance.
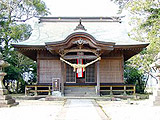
(81, 7)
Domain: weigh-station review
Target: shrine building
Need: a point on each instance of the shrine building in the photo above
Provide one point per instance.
(80, 51)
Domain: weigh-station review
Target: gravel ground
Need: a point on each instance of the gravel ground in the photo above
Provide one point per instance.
(131, 110)
(32, 110)
(76, 109)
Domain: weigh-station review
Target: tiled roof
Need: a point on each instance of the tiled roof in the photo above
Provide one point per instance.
(58, 31)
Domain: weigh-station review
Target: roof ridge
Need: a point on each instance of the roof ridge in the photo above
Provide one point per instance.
(85, 19)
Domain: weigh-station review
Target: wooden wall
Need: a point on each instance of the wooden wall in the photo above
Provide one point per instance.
(111, 70)
(49, 69)
(111, 67)
(49, 66)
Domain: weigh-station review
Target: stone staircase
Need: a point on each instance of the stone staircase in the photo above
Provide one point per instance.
(80, 91)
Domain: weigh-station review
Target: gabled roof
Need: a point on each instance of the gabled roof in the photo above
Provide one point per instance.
(56, 29)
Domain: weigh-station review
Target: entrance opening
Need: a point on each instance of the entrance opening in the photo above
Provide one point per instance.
(88, 74)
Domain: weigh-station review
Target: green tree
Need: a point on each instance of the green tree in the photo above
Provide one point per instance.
(13, 15)
(134, 76)
(145, 21)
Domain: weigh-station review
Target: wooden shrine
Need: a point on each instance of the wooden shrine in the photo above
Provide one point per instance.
(81, 51)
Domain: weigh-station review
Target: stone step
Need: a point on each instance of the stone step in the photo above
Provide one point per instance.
(158, 93)
(83, 92)
(10, 101)
(80, 95)
(89, 88)
(87, 93)
(157, 98)
(80, 91)
(156, 103)
(67, 91)
(9, 105)
(5, 97)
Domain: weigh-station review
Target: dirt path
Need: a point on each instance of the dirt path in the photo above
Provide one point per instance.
(81, 109)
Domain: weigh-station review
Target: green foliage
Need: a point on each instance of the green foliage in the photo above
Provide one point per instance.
(22, 10)
(20, 64)
(13, 29)
(145, 22)
(134, 76)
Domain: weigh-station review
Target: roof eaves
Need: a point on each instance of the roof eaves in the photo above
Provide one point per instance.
(27, 46)
(132, 46)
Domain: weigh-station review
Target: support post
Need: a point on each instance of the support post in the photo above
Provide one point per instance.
(49, 90)
(62, 78)
(36, 91)
(134, 90)
(98, 80)
(111, 93)
(25, 90)
(124, 90)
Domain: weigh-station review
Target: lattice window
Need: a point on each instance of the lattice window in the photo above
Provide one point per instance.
(90, 73)
(70, 75)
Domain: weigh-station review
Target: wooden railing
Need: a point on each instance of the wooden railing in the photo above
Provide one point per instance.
(38, 89)
(118, 88)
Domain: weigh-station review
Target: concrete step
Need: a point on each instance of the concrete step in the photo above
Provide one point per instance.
(85, 93)
(80, 95)
(90, 88)
(80, 91)
(69, 91)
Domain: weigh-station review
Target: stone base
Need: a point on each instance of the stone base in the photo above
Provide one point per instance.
(56, 94)
(156, 101)
(6, 100)
(9, 105)
(53, 98)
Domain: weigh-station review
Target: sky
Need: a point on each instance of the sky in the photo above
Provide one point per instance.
(81, 7)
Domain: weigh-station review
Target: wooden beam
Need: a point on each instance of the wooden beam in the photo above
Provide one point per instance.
(80, 50)
(70, 57)
(62, 78)
(98, 79)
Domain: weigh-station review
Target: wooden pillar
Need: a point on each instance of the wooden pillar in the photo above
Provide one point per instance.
(36, 91)
(124, 90)
(134, 90)
(98, 79)
(111, 93)
(49, 90)
(38, 66)
(25, 90)
(62, 78)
